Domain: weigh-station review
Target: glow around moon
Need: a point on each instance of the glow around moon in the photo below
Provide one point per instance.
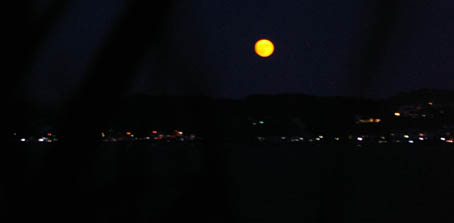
(264, 48)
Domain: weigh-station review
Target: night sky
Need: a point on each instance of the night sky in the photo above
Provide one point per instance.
(348, 48)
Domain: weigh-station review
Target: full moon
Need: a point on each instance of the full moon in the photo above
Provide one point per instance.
(264, 48)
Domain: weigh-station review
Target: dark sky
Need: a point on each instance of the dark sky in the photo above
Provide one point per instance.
(353, 48)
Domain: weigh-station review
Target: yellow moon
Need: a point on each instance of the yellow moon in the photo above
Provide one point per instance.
(264, 48)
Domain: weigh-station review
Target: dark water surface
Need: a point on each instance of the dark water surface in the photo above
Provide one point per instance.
(142, 182)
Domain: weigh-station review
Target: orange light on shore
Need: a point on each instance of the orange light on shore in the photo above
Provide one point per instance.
(49, 134)
(154, 132)
(430, 103)
(128, 133)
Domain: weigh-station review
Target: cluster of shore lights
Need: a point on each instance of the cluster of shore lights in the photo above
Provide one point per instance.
(154, 132)
(259, 122)
(128, 133)
(397, 114)
(447, 140)
(365, 138)
(370, 120)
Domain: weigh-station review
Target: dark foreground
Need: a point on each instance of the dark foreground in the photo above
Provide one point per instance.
(226, 183)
